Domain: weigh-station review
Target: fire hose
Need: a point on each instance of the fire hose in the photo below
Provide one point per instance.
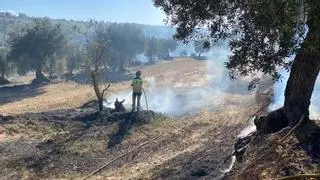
(121, 156)
(145, 97)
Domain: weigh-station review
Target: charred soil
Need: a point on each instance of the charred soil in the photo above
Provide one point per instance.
(72, 143)
(288, 152)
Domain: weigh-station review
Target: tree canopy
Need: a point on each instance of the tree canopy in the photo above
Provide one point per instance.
(126, 41)
(74, 57)
(165, 46)
(151, 49)
(201, 47)
(262, 35)
(97, 46)
(159, 48)
(3, 62)
(260, 31)
(31, 49)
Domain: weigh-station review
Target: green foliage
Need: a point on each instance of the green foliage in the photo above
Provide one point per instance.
(165, 46)
(96, 48)
(126, 41)
(151, 49)
(159, 48)
(201, 47)
(32, 49)
(3, 62)
(74, 58)
(263, 33)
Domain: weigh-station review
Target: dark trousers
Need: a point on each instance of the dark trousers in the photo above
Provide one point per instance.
(136, 97)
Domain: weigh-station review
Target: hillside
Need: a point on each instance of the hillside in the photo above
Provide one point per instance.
(11, 22)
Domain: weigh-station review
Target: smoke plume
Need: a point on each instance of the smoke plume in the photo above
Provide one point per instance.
(173, 99)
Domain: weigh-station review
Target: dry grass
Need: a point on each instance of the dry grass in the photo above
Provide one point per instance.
(61, 95)
(54, 96)
(181, 136)
(183, 72)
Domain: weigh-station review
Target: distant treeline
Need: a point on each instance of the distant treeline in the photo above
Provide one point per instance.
(58, 46)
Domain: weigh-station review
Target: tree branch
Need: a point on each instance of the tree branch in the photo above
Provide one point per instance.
(104, 90)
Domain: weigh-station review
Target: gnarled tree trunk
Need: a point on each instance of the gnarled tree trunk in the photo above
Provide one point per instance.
(301, 82)
(96, 88)
(300, 85)
(3, 79)
(40, 78)
(304, 71)
(2, 74)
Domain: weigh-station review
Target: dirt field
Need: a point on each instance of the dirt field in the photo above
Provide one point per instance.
(70, 94)
(189, 147)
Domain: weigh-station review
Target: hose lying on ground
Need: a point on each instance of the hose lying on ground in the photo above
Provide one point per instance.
(300, 176)
(109, 162)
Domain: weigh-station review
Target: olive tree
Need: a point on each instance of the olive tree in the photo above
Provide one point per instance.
(96, 48)
(32, 49)
(263, 34)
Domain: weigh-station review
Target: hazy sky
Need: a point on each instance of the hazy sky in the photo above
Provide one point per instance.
(138, 11)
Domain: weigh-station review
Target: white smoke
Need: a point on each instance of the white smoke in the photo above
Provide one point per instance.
(278, 99)
(141, 58)
(181, 99)
(279, 87)
(251, 127)
(315, 102)
(233, 161)
(173, 101)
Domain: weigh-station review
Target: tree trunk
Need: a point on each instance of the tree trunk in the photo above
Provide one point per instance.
(299, 88)
(100, 103)
(2, 74)
(50, 75)
(40, 78)
(300, 85)
(96, 88)
(304, 71)
(4, 81)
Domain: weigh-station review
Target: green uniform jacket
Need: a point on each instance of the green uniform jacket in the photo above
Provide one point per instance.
(137, 85)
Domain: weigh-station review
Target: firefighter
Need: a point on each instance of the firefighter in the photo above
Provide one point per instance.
(136, 90)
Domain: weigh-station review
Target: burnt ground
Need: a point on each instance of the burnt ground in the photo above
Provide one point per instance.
(204, 162)
(72, 143)
(268, 158)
